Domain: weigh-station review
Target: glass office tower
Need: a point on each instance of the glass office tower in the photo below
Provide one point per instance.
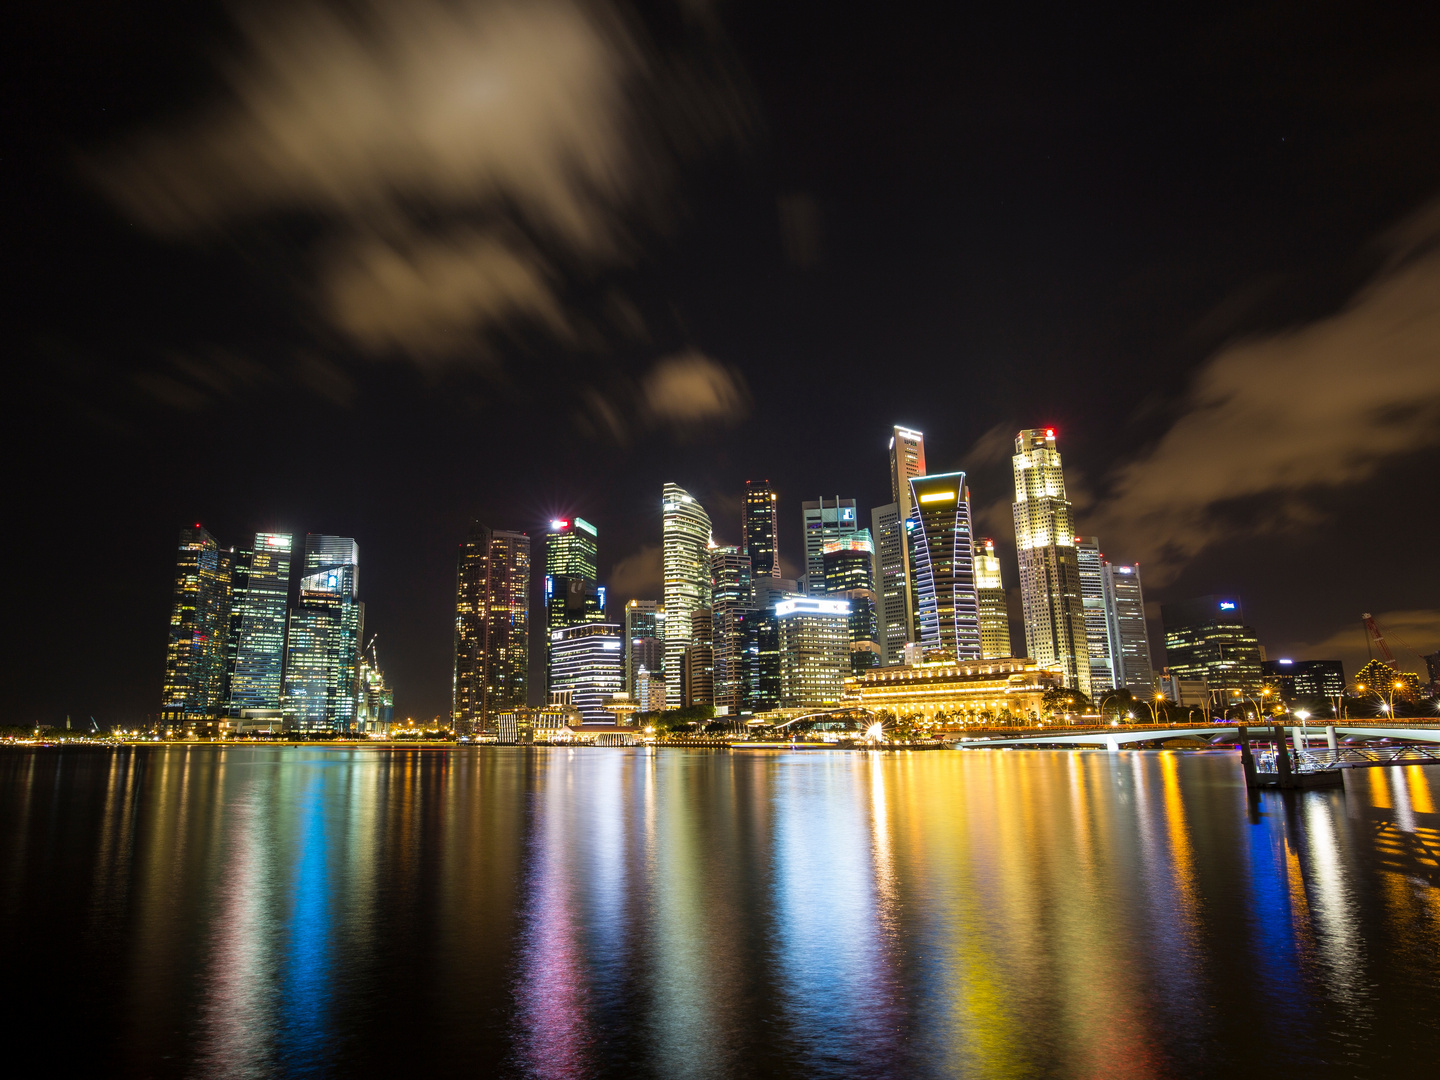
(824, 520)
(589, 667)
(1050, 591)
(1091, 562)
(195, 657)
(572, 592)
(994, 610)
(814, 643)
(685, 543)
(849, 570)
(732, 602)
(492, 627)
(1129, 635)
(759, 517)
(322, 650)
(255, 685)
(644, 642)
(949, 608)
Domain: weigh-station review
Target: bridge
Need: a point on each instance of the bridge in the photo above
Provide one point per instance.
(1279, 765)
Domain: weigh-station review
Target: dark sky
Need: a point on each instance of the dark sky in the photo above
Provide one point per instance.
(375, 270)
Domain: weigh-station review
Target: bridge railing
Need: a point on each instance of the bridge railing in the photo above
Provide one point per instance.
(1306, 761)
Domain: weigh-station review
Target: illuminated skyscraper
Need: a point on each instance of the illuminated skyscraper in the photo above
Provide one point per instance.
(644, 642)
(814, 650)
(759, 528)
(1129, 635)
(255, 685)
(322, 643)
(1206, 638)
(762, 642)
(685, 543)
(732, 602)
(1090, 560)
(589, 666)
(199, 630)
(697, 671)
(849, 570)
(994, 611)
(492, 627)
(1049, 570)
(824, 520)
(572, 592)
(894, 561)
(939, 525)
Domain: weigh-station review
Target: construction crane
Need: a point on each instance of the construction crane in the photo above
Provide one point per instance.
(1375, 641)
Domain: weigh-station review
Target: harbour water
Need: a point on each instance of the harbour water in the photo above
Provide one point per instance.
(358, 912)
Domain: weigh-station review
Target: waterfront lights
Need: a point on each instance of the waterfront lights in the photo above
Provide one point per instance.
(875, 732)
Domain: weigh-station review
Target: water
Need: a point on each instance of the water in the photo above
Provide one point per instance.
(607, 912)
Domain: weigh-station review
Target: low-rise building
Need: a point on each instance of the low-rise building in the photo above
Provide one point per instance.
(969, 690)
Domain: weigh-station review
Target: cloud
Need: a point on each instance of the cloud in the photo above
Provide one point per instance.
(638, 576)
(995, 446)
(1273, 424)
(459, 156)
(689, 389)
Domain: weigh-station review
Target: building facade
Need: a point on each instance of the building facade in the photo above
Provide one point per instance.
(824, 520)
(644, 641)
(1050, 591)
(759, 528)
(814, 645)
(892, 581)
(994, 609)
(1302, 680)
(322, 644)
(492, 627)
(1091, 562)
(944, 573)
(973, 692)
(1129, 634)
(257, 680)
(849, 576)
(198, 646)
(1206, 638)
(685, 554)
(589, 668)
(732, 603)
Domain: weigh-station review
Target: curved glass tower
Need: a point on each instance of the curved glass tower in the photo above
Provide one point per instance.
(685, 541)
(939, 527)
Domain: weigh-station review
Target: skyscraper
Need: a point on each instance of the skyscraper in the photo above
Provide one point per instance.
(644, 642)
(589, 666)
(697, 672)
(907, 461)
(824, 520)
(255, 685)
(1090, 560)
(732, 602)
(572, 547)
(894, 562)
(948, 606)
(849, 576)
(1049, 570)
(994, 610)
(685, 544)
(322, 644)
(492, 627)
(199, 631)
(1206, 638)
(572, 592)
(814, 650)
(1129, 636)
(759, 528)
(762, 642)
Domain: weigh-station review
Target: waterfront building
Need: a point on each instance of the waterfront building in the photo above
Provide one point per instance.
(1090, 561)
(1129, 635)
(1206, 638)
(589, 668)
(644, 641)
(892, 581)
(322, 643)
(759, 527)
(824, 520)
(697, 672)
(572, 591)
(732, 604)
(256, 681)
(194, 688)
(492, 627)
(762, 642)
(814, 645)
(572, 547)
(1298, 680)
(650, 691)
(685, 553)
(849, 576)
(1050, 595)
(994, 609)
(907, 461)
(944, 572)
(968, 692)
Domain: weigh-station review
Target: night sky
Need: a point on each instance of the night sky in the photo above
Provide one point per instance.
(378, 269)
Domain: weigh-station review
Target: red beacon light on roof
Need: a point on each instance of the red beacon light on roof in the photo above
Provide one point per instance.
(1049, 432)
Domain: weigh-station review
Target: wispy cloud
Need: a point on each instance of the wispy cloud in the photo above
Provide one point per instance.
(462, 157)
(690, 389)
(1275, 424)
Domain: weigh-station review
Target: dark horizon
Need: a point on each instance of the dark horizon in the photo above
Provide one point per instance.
(1202, 248)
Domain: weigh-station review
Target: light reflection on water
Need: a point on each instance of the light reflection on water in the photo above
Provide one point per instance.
(571, 913)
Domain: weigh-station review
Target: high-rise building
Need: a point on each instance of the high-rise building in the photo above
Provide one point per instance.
(1090, 560)
(650, 691)
(572, 547)
(685, 548)
(644, 642)
(697, 671)
(492, 627)
(589, 667)
(256, 683)
(892, 581)
(572, 591)
(1049, 570)
(1129, 635)
(239, 584)
(760, 535)
(1297, 680)
(1206, 638)
(762, 642)
(824, 520)
(322, 643)
(194, 689)
(849, 576)
(907, 461)
(948, 606)
(732, 603)
(814, 635)
(994, 610)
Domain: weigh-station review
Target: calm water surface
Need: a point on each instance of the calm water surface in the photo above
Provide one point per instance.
(607, 912)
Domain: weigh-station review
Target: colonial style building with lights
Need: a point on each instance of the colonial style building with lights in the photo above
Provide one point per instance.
(965, 690)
